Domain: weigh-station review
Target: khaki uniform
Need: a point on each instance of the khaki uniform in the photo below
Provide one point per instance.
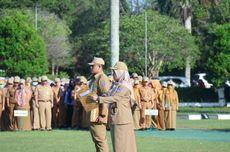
(44, 96)
(160, 108)
(26, 122)
(121, 121)
(136, 111)
(35, 111)
(5, 113)
(79, 114)
(56, 107)
(171, 107)
(62, 108)
(147, 99)
(100, 85)
(11, 107)
(2, 100)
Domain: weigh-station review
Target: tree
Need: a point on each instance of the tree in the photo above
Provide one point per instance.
(168, 45)
(22, 50)
(55, 33)
(218, 63)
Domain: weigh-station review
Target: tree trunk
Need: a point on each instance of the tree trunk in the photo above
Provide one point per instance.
(57, 70)
(114, 31)
(52, 67)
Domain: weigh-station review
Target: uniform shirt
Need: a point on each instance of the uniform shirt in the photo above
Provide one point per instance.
(55, 94)
(44, 93)
(99, 84)
(173, 99)
(146, 94)
(10, 95)
(120, 107)
(1, 96)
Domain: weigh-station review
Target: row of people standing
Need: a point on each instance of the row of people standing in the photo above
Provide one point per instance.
(150, 94)
(47, 106)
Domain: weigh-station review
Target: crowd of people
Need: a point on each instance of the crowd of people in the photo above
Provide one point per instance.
(56, 105)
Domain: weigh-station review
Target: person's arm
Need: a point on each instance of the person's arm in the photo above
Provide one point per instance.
(3, 101)
(51, 97)
(8, 98)
(120, 94)
(36, 97)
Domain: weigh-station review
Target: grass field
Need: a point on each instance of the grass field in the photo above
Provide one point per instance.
(191, 136)
(198, 110)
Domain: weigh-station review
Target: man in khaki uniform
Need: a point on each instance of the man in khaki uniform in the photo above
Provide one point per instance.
(12, 104)
(5, 114)
(2, 101)
(99, 84)
(35, 118)
(137, 106)
(56, 99)
(44, 101)
(147, 100)
(119, 98)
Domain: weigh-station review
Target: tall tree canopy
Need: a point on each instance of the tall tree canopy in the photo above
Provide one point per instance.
(22, 50)
(168, 43)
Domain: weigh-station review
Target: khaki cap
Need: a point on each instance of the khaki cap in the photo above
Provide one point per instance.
(16, 79)
(97, 60)
(44, 78)
(28, 79)
(83, 79)
(120, 66)
(145, 79)
(164, 84)
(34, 79)
(22, 81)
(39, 79)
(10, 81)
(57, 80)
(135, 75)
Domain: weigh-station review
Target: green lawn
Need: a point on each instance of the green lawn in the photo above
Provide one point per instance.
(191, 136)
(209, 110)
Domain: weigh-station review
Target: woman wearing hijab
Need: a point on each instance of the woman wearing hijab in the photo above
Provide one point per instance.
(23, 96)
(120, 98)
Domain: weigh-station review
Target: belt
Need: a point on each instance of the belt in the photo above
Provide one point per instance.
(43, 100)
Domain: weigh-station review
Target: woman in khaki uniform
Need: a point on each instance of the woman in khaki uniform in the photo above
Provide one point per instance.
(171, 107)
(137, 106)
(160, 106)
(23, 96)
(119, 98)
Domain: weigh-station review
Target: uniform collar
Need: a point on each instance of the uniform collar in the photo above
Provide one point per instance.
(98, 74)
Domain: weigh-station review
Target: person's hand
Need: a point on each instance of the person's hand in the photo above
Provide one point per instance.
(37, 105)
(3, 108)
(93, 97)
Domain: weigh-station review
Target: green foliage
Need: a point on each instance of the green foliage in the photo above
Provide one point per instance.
(22, 50)
(218, 62)
(168, 43)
